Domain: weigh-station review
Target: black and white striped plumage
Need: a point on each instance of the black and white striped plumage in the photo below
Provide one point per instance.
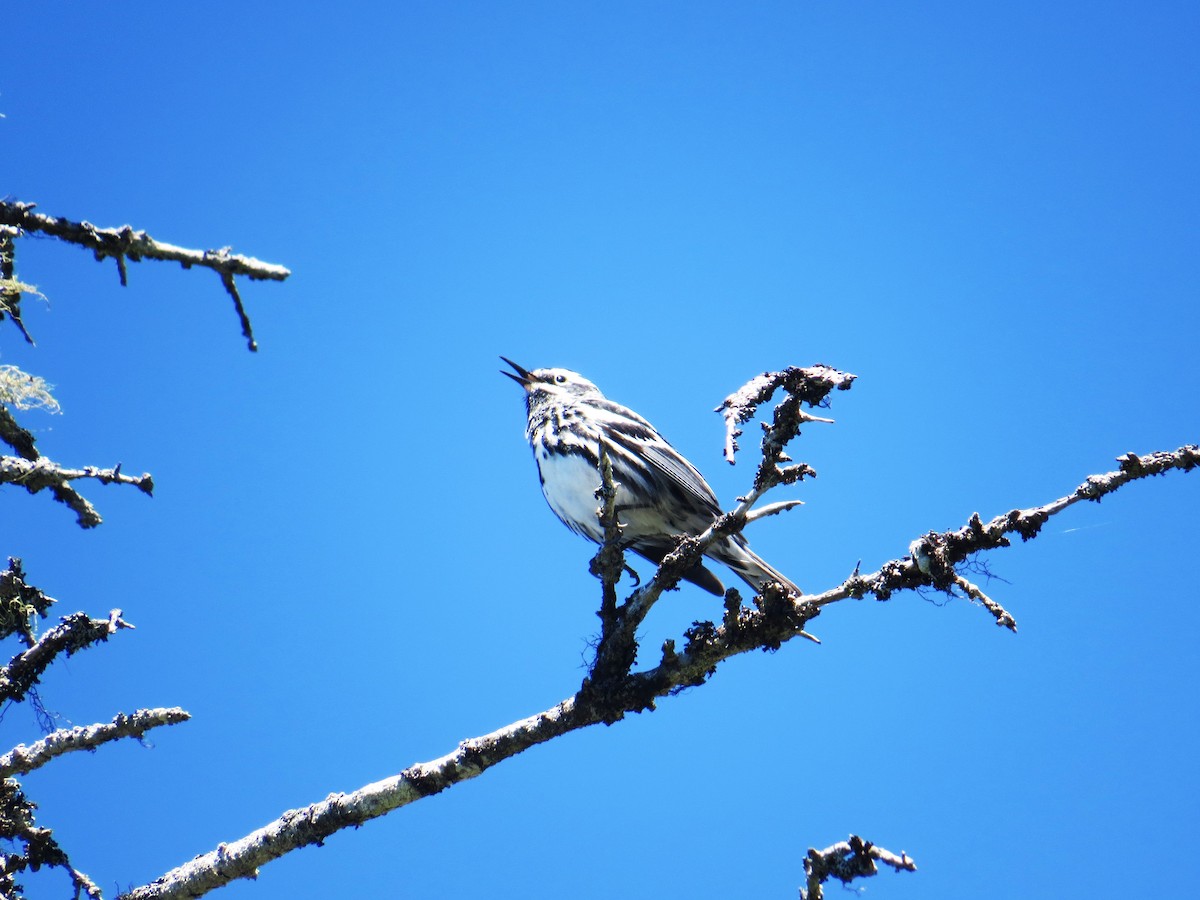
(660, 495)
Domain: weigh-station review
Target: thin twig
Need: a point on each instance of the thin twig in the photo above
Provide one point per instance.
(247, 330)
(1002, 616)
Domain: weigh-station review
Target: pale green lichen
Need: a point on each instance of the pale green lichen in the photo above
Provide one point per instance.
(21, 390)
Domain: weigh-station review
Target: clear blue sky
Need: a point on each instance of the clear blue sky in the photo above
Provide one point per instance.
(989, 214)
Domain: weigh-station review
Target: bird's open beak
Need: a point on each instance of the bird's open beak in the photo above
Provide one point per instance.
(523, 377)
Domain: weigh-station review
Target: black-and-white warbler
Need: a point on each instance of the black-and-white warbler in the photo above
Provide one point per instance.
(660, 495)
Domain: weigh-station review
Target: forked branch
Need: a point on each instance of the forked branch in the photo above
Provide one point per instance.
(126, 243)
(774, 618)
(34, 475)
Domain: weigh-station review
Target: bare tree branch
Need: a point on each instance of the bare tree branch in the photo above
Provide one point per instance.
(232, 290)
(772, 509)
(10, 289)
(125, 243)
(22, 760)
(43, 472)
(611, 691)
(1002, 616)
(15, 436)
(20, 603)
(808, 385)
(75, 632)
(609, 562)
(846, 861)
(135, 245)
(36, 474)
(933, 558)
(40, 847)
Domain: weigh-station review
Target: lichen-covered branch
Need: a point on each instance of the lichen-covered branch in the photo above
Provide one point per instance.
(774, 618)
(846, 861)
(609, 562)
(36, 474)
(126, 243)
(135, 245)
(617, 648)
(810, 385)
(74, 633)
(42, 473)
(312, 824)
(121, 244)
(612, 690)
(933, 558)
(10, 289)
(37, 845)
(20, 603)
(20, 439)
(22, 759)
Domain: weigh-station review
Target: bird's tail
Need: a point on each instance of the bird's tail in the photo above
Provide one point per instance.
(752, 568)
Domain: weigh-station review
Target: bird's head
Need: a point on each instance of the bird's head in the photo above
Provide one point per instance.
(551, 385)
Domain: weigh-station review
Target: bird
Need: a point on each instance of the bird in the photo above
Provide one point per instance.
(659, 494)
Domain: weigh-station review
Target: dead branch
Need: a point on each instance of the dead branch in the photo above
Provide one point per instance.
(39, 846)
(846, 861)
(775, 618)
(15, 436)
(810, 385)
(22, 760)
(20, 603)
(34, 475)
(74, 633)
(125, 243)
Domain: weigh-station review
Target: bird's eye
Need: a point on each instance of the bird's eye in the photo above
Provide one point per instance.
(561, 379)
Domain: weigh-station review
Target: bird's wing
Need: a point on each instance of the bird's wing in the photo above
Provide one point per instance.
(682, 474)
(674, 473)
